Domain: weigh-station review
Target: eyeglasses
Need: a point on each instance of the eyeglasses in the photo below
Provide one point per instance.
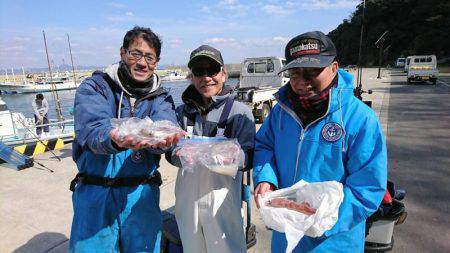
(136, 56)
(210, 71)
(307, 73)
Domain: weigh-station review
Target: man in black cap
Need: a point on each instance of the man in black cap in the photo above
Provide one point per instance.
(208, 204)
(319, 132)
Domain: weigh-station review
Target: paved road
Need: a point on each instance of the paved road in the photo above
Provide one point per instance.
(419, 161)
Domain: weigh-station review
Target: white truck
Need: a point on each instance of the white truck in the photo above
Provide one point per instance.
(400, 63)
(258, 81)
(423, 68)
(407, 62)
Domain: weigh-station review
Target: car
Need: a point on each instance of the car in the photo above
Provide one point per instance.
(423, 68)
(407, 61)
(400, 63)
(350, 67)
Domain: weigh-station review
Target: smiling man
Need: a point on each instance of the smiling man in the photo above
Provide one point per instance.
(320, 132)
(208, 205)
(116, 192)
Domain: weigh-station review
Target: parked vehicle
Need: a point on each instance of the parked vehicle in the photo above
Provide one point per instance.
(258, 81)
(15, 129)
(350, 68)
(407, 62)
(423, 68)
(400, 63)
(380, 225)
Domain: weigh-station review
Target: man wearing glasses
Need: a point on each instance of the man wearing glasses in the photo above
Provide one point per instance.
(116, 192)
(208, 205)
(319, 132)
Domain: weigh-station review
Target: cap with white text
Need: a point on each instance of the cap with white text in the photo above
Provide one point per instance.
(309, 50)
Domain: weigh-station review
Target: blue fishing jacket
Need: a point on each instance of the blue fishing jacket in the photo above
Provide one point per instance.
(345, 145)
(113, 219)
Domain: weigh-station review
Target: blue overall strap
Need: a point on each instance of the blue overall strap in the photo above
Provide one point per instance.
(225, 113)
(189, 121)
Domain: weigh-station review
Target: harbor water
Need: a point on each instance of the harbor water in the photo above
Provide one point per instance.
(23, 102)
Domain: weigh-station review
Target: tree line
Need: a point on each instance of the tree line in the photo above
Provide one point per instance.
(415, 27)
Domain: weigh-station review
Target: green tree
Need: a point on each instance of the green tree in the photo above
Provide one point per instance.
(415, 27)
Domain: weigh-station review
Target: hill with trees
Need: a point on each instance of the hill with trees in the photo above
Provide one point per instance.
(415, 27)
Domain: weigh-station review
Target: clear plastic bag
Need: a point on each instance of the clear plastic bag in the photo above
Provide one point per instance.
(146, 129)
(218, 154)
(324, 198)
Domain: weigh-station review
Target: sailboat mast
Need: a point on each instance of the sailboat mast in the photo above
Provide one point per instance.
(23, 76)
(14, 77)
(54, 92)
(71, 59)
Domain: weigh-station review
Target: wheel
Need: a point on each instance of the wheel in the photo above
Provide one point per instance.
(264, 112)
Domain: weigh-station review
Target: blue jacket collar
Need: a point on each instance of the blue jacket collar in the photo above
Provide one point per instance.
(340, 95)
(192, 99)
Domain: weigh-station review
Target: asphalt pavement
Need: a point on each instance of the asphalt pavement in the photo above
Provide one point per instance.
(419, 161)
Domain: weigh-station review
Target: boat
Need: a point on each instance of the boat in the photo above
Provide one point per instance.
(40, 84)
(15, 129)
(173, 76)
(48, 82)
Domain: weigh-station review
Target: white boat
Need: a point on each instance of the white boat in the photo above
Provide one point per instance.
(173, 76)
(41, 84)
(15, 129)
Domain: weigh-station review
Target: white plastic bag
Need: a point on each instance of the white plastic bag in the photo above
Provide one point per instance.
(325, 197)
(218, 154)
(146, 129)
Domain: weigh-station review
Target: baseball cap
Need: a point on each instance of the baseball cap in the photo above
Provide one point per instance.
(309, 50)
(205, 51)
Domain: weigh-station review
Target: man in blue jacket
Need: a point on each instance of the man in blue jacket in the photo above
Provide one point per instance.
(116, 192)
(319, 132)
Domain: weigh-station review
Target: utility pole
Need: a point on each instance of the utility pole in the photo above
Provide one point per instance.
(379, 45)
(359, 75)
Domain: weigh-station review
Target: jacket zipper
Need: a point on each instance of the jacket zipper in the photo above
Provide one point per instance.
(299, 146)
(302, 134)
(133, 107)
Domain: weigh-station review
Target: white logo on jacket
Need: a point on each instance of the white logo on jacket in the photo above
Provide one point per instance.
(137, 156)
(332, 132)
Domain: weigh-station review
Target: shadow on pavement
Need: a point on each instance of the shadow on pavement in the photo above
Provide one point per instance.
(65, 152)
(398, 74)
(43, 242)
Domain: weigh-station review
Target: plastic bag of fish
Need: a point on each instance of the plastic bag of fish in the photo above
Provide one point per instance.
(146, 129)
(302, 209)
(218, 154)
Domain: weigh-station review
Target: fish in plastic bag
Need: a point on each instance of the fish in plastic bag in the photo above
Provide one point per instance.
(218, 154)
(315, 211)
(146, 129)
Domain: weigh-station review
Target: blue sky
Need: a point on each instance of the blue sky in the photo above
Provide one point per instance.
(96, 28)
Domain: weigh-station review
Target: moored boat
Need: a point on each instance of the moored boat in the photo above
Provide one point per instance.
(15, 129)
(41, 84)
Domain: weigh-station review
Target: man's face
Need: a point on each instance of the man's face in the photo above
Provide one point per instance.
(208, 78)
(140, 58)
(308, 82)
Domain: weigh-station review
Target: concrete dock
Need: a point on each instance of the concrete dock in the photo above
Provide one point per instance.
(35, 203)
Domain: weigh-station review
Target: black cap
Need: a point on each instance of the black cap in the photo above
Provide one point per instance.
(309, 50)
(205, 51)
